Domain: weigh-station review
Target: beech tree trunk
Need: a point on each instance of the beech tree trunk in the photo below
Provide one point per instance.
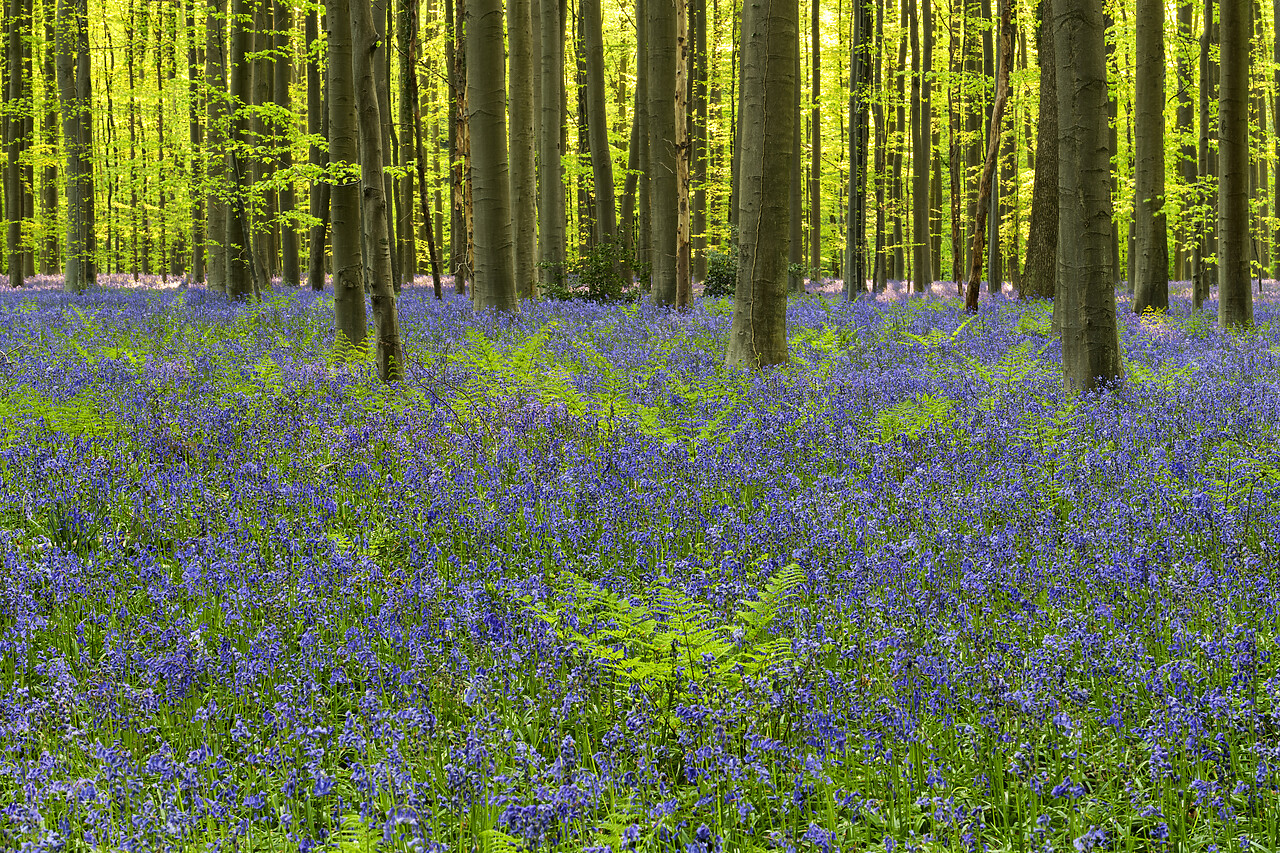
(855, 273)
(215, 75)
(663, 185)
(758, 334)
(1235, 298)
(318, 126)
(523, 133)
(241, 281)
(550, 178)
(348, 262)
(494, 285)
(1086, 287)
(1151, 238)
(1039, 273)
(74, 94)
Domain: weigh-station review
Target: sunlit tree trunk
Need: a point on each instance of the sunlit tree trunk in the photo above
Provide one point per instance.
(597, 122)
(1039, 273)
(74, 95)
(290, 274)
(550, 179)
(663, 184)
(241, 282)
(523, 134)
(758, 333)
(348, 262)
(317, 126)
(215, 76)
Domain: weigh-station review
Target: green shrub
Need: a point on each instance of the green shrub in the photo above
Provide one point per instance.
(722, 272)
(596, 276)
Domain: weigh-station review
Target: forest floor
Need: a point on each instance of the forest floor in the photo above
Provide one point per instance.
(574, 584)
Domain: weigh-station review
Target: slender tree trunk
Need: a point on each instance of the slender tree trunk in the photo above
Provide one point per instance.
(348, 263)
(406, 235)
(815, 138)
(684, 271)
(241, 281)
(382, 21)
(49, 178)
(13, 172)
(993, 153)
(196, 138)
(259, 162)
(1151, 240)
(1090, 342)
(795, 252)
(597, 122)
(698, 97)
(317, 126)
(855, 275)
(880, 273)
(290, 272)
(1235, 298)
(494, 286)
(433, 252)
(1187, 151)
(663, 156)
(1204, 272)
(551, 238)
(758, 334)
(388, 353)
(644, 205)
(1040, 270)
(74, 93)
(922, 275)
(523, 132)
(215, 75)
(1275, 118)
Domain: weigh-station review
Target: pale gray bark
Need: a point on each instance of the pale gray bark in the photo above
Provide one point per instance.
(494, 285)
(317, 126)
(1151, 237)
(1086, 289)
(348, 262)
(524, 177)
(758, 334)
(550, 178)
(215, 75)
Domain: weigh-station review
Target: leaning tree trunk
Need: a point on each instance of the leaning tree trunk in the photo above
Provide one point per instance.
(993, 153)
(348, 262)
(1040, 269)
(494, 283)
(1235, 299)
(758, 334)
(1086, 288)
(1151, 237)
(388, 353)
(317, 127)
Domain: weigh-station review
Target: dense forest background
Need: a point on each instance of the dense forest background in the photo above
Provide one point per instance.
(158, 98)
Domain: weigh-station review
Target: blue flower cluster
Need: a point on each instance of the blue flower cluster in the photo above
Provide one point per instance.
(254, 600)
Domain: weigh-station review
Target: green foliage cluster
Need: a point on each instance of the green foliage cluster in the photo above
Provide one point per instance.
(599, 274)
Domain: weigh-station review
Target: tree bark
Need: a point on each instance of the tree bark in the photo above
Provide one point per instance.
(241, 281)
(993, 154)
(855, 275)
(388, 353)
(1039, 273)
(1090, 342)
(348, 263)
(795, 250)
(260, 164)
(758, 333)
(922, 275)
(49, 178)
(407, 34)
(663, 185)
(494, 285)
(551, 237)
(290, 272)
(74, 93)
(1151, 239)
(13, 125)
(684, 271)
(698, 100)
(1204, 272)
(815, 140)
(597, 122)
(523, 133)
(317, 127)
(1235, 298)
(215, 75)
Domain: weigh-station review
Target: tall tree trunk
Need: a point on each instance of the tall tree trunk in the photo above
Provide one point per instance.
(1235, 299)
(922, 275)
(494, 286)
(855, 274)
(664, 188)
(1090, 341)
(1204, 271)
(1039, 273)
(382, 22)
(241, 281)
(407, 238)
(433, 252)
(49, 178)
(898, 129)
(1275, 118)
(597, 122)
(644, 212)
(1187, 151)
(262, 229)
(815, 139)
(388, 353)
(523, 133)
(348, 263)
(13, 171)
(75, 96)
(993, 153)
(317, 127)
(196, 140)
(758, 334)
(684, 272)
(698, 99)
(795, 252)
(1151, 240)
(215, 76)
(880, 273)
(290, 274)
(551, 246)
